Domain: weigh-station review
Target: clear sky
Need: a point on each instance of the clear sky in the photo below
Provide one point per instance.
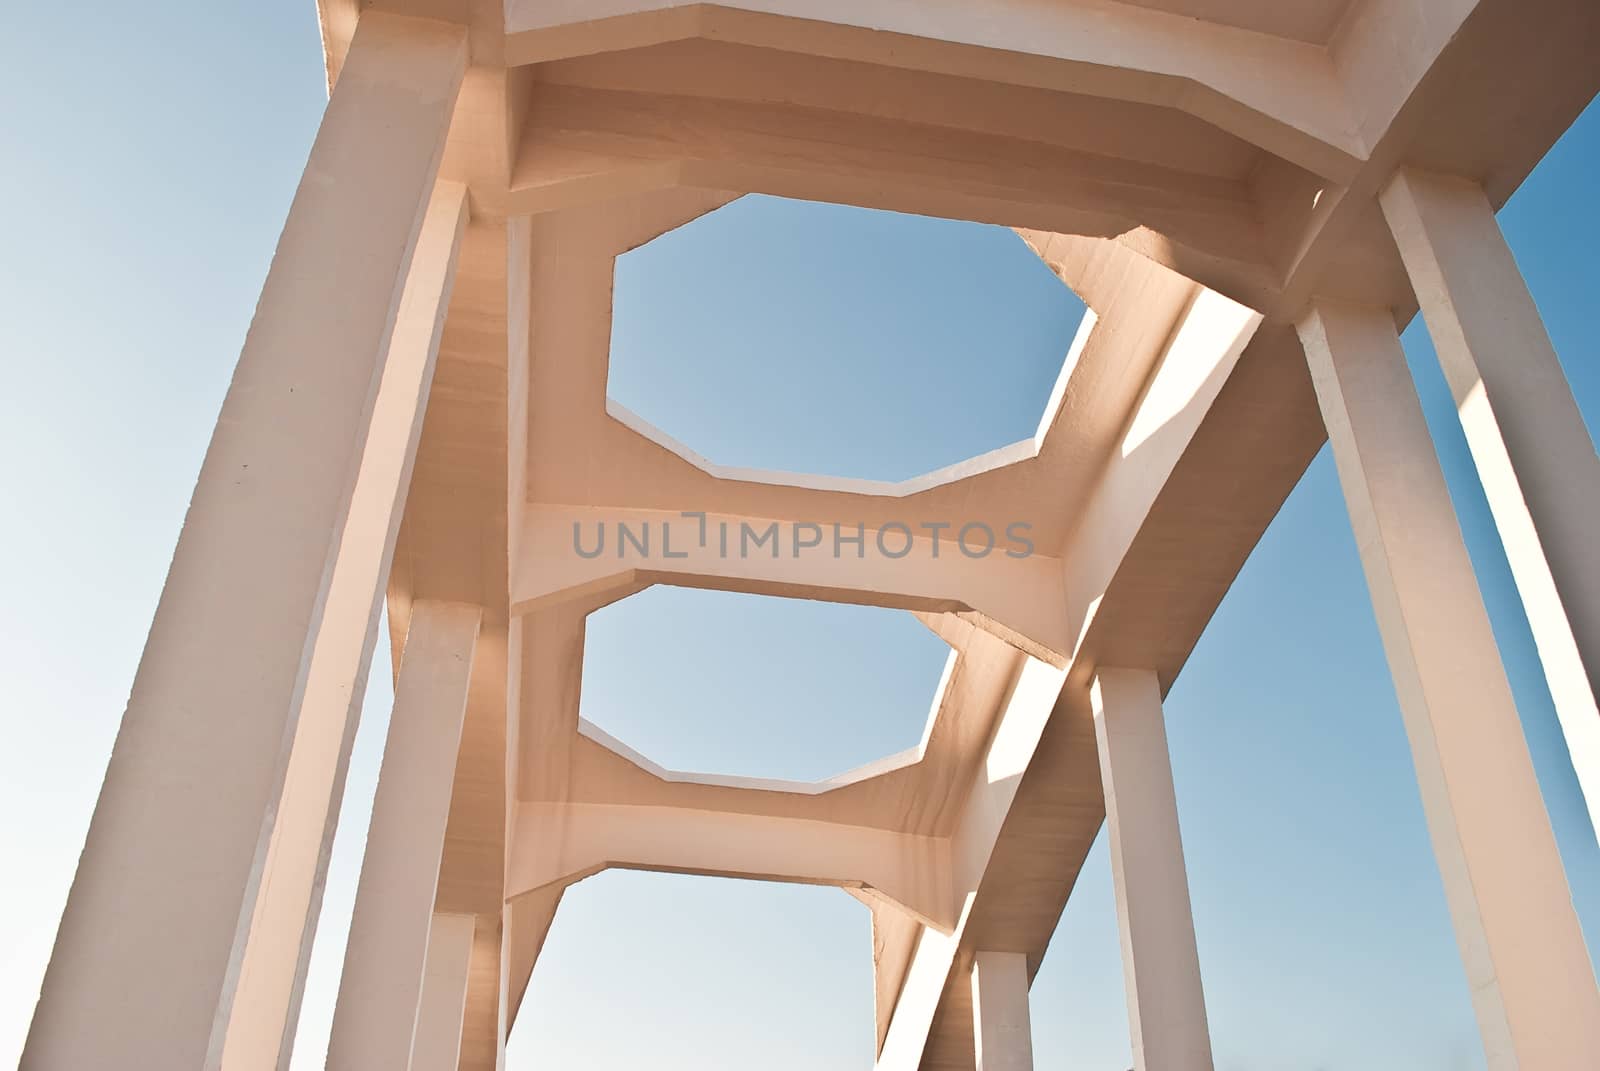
(150, 153)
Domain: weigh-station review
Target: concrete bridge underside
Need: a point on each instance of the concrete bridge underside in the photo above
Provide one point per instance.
(1251, 197)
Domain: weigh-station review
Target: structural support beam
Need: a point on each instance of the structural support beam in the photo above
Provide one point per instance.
(1534, 455)
(636, 142)
(437, 1043)
(555, 844)
(894, 942)
(1283, 95)
(934, 963)
(387, 953)
(484, 1029)
(570, 552)
(257, 645)
(1002, 1037)
(1040, 765)
(273, 974)
(1160, 964)
(1532, 984)
(472, 870)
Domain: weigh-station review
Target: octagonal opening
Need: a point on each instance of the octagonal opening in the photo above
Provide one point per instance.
(673, 972)
(755, 686)
(801, 337)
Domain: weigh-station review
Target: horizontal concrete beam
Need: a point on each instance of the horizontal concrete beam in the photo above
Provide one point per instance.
(1280, 94)
(634, 143)
(556, 844)
(991, 577)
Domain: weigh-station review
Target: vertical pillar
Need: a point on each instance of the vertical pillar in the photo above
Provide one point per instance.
(1002, 1035)
(1160, 963)
(437, 1044)
(472, 874)
(484, 1026)
(272, 975)
(1532, 985)
(180, 853)
(381, 988)
(1533, 453)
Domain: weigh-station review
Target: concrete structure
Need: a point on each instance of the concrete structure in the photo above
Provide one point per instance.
(1249, 195)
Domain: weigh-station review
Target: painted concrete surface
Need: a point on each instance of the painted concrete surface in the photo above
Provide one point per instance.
(421, 409)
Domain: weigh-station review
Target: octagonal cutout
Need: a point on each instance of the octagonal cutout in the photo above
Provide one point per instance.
(714, 682)
(673, 972)
(801, 337)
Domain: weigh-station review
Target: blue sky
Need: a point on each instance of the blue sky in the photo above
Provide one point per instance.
(139, 215)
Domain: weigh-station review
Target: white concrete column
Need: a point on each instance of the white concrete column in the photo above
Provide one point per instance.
(385, 959)
(1160, 964)
(272, 977)
(263, 632)
(1002, 1034)
(1533, 453)
(437, 1044)
(1532, 984)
